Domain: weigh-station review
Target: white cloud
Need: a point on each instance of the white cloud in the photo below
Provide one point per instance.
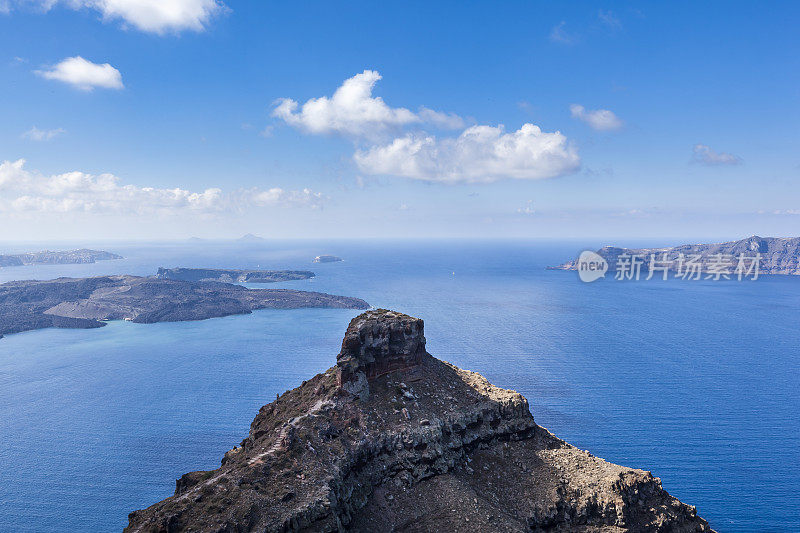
(281, 197)
(446, 121)
(154, 16)
(609, 20)
(24, 190)
(636, 213)
(528, 209)
(479, 154)
(159, 16)
(35, 134)
(83, 74)
(705, 155)
(598, 119)
(559, 34)
(353, 111)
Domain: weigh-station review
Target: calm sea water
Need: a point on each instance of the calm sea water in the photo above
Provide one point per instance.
(696, 381)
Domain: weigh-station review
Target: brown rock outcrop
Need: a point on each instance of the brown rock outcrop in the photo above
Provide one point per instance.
(392, 439)
(376, 343)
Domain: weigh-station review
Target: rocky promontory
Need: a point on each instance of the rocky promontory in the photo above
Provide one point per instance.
(777, 255)
(47, 257)
(393, 439)
(233, 276)
(89, 302)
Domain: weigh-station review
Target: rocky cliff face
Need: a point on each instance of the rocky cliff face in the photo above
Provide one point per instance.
(392, 439)
(376, 344)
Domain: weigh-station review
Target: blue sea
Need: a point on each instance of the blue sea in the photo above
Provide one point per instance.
(696, 381)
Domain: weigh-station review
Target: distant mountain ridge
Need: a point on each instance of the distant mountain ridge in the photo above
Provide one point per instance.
(47, 257)
(778, 255)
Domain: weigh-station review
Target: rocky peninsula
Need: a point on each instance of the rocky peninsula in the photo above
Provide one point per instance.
(778, 255)
(47, 257)
(89, 302)
(393, 439)
(233, 276)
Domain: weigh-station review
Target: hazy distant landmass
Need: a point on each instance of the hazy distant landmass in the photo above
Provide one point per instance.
(86, 302)
(47, 257)
(327, 259)
(778, 255)
(251, 238)
(233, 276)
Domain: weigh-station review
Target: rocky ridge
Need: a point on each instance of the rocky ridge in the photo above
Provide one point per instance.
(392, 439)
(88, 302)
(233, 276)
(778, 255)
(47, 257)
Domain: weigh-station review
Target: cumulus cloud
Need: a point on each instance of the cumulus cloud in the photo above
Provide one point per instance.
(598, 119)
(153, 16)
(83, 74)
(705, 155)
(35, 134)
(159, 16)
(353, 111)
(24, 190)
(479, 154)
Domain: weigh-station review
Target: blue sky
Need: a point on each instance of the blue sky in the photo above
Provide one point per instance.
(688, 125)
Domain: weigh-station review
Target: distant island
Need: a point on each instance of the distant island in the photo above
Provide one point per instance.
(327, 259)
(87, 302)
(392, 439)
(47, 257)
(233, 276)
(778, 255)
(251, 238)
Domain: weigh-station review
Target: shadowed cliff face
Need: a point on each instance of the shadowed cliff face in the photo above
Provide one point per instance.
(393, 439)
